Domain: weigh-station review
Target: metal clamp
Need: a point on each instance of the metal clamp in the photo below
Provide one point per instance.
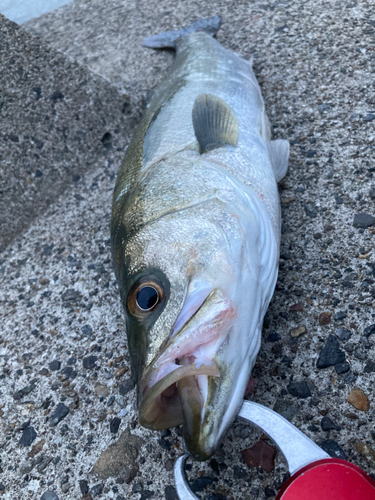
(297, 448)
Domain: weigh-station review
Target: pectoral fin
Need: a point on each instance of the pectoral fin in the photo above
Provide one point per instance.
(214, 123)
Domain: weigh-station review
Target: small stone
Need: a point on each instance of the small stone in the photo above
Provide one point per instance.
(369, 330)
(328, 425)
(36, 448)
(60, 412)
(164, 443)
(363, 220)
(273, 337)
(369, 117)
(350, 378)
(342, 367)
(65, 487)
(340, 315)
(28, 436)
(297, 332)
(128, 386)
(86, 330)
(372, 193)
(146, 494)
(296, 307)
(365, 450)
(359, 400)
(90, 362)
(120, 371)
(370, 367)
(331, 354)
(169, 464)
(102, 390)
(97, 490)
(269, 492)
(333, 449)
(114, 425)
(170, 493)
(299, 389)
(200, 483)
(325, 318)
(343, 334)
(49, 495)
(55, 365)
(70, 295)
(260, 455)
(310, 153)
(83, 486)
(285, 408)
(118, 456)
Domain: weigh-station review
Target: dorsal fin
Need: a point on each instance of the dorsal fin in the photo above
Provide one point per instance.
(214, 122)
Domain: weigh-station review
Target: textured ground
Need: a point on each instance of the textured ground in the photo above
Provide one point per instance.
(316, 62)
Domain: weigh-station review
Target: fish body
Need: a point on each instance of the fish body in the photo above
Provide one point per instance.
(195, 240)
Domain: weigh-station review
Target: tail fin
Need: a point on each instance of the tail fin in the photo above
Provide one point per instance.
(168, 38)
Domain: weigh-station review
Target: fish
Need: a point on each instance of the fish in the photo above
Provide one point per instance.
(195, 234)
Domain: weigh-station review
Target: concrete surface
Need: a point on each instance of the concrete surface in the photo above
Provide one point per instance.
(54, 117)
(315, 61)
(21, 11)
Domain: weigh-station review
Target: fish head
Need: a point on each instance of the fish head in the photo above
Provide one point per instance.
(190, 298)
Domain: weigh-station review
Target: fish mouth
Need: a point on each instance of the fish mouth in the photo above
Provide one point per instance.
(176, 388)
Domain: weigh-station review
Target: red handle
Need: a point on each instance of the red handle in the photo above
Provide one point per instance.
(329, 479)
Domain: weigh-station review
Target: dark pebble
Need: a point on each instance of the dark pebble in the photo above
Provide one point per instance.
(273, 337)
(328, 425)
(86, 329)
(343, 334)
(114, 425)
(286, 408)
(331, 354)
(146, 494)
(342, 367)
(369, 330)
(340, 315)
(170, 493)
(72, 361)
(269, 492)
(83, 486)
(310, 153)
(372, 193)
(60, 412)
(370, 367)
(164, 443)
(165, 433)
(23, 392)
(350, 378)
(363, 220)
(333, 449)
(47, 249)
(28, 436)
(55, 97)
(49, 495)
(70, 295)
(2, 487)
(97, 490)
(200, 483)
(89, 362)
(369, 117)
(128, 386)
(299, 389)
(137, 487)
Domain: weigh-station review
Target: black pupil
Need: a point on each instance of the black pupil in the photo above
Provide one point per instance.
(147, 297)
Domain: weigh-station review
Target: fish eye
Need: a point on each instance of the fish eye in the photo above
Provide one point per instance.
(145, 296)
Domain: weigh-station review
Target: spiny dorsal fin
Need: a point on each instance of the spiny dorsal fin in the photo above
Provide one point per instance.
(214, 122)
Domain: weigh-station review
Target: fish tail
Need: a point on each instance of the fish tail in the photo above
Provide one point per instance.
(168, 39)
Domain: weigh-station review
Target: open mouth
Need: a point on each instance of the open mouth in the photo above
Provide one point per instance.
(175, 389)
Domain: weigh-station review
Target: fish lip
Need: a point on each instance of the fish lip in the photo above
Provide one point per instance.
(225, 312)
